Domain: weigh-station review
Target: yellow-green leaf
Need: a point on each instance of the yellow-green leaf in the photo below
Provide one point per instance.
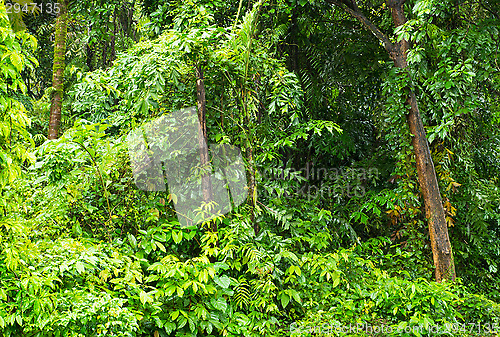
(16, 60)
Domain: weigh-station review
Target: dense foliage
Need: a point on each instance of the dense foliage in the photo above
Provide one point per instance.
(332, 241)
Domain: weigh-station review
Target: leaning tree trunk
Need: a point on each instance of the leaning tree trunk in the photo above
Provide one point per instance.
(438, 229)
(58, 69)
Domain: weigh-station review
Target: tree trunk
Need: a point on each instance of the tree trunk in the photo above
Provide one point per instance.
(89, 51)
(113, 38)
(438, 229)
(206, 184)
(58, 69)
(252, 185)
(104, 19)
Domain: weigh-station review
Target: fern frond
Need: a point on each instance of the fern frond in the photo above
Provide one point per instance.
(242, 295)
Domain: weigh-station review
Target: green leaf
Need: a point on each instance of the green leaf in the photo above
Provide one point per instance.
(180, 291)
(189, 235)
(223, 281)
(16, 60)
(79, 267)
(174, 315)
(431, 137)
(296, 296)
(161, 246)
(192, 324)
(335, 278)
(182, 322)
(132, 240)
(209, 328)
(219, 304)
(285, 299)
(169, 327)
(177, 236)
(143, 297)
(77, 230)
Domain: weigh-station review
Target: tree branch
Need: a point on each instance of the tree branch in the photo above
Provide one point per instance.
(351, 7)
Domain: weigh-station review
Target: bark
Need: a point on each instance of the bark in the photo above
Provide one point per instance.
(438, 229)
(206, 184)
(104, 43)
(130, 22)
(58, 70)
(104, 53)
(251, 190)
(113, 38)
(252, 183)
(293, 41)
(434, 211)
(89, 51)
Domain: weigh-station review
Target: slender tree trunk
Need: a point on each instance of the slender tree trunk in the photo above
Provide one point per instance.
(438, 229)
(130, 22)
(293, 41)
(113, 38)
(252, 185)
(206, 184)
(104, 53)
(58, 69)
(250, 172)
(104, 20)
(89, 52)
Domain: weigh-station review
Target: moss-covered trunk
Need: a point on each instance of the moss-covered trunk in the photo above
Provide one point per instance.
(434, 211)
(398, 51)
(58, 69)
